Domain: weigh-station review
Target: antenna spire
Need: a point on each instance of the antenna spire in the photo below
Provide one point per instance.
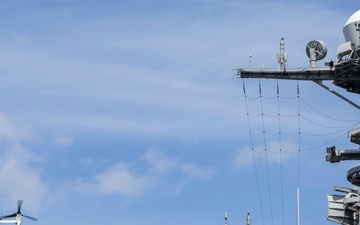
(282, 56)
(226, 216)
(248, 219)
(250, 60)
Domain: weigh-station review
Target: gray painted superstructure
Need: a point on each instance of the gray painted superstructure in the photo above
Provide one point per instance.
(345, 73)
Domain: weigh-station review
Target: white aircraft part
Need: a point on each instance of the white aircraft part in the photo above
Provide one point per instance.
(7, 221)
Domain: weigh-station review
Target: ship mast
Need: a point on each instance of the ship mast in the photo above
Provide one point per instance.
(226, 219)
(248, 219)
(282, 56)
(345, 73)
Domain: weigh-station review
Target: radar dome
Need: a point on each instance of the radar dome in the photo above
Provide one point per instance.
(352, 30)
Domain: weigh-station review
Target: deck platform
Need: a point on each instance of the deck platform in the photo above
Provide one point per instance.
(355, 136)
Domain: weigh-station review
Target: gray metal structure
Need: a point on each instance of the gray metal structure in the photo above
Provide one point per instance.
(316, 50)
(345, 73)
(344, 209)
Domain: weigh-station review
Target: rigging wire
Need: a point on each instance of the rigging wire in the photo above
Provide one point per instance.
(266, 115)
(332, 118)
(266, 154)
(325, 126)
(266, 150)
(327, 143)
(299, 142)
(253, 153)
(328, 134)
(342, 132)
(280, 150)
(299, 139)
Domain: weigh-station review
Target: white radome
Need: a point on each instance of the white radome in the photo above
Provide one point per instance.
(351, 30)
(353, 18)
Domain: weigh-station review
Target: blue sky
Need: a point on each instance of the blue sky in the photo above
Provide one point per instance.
(127, 112)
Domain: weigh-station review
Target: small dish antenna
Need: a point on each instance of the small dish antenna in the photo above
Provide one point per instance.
(316, 50)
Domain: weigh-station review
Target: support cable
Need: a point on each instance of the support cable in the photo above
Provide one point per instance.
(299, 141)
(325, 126)
(253, 153)
(280, 150)
(329, 117)
(266, 153)
(339, 131)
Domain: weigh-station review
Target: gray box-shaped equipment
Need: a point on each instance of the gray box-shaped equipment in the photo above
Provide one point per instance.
(337, 212)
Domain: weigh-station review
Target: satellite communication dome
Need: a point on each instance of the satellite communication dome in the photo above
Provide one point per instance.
(352, 29)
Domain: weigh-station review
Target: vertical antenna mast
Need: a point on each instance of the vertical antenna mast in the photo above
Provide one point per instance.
(226, 222)
(250, 60)
(248, 219)
(282, 56)
(298, 206)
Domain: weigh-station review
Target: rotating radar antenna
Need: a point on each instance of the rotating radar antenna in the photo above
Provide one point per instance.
(316, 50)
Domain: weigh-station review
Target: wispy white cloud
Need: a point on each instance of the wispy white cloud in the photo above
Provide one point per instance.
(128, 180)
(122, 179)
(21, 179)
(159, 162)
(196, 171)
(9, 131)
(63, 140)
(91, 62)
(87, 162)
(20, 168)
(244, 157)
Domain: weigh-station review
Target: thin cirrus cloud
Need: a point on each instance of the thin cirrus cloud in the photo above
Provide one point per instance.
(63, 140)
(245, 157)
(127, 179)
